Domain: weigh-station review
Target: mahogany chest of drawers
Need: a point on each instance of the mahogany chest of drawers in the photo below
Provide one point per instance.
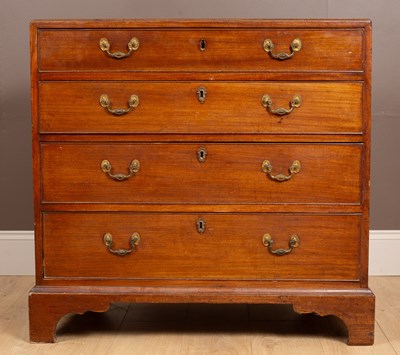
(222, 161)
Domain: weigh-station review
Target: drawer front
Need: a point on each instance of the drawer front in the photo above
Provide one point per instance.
(180, 50)
(231, 246)
(202, 173)
(181, 107)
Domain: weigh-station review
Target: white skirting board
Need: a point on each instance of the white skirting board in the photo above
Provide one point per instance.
(384, 248)
(17, 255)
(17, 252)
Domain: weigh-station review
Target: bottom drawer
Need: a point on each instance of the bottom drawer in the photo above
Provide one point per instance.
(201, 246)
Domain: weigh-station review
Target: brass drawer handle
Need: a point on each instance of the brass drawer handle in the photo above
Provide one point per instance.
(133, 241)
(268, 242)
(294, 169)
(133, 168)
(295, 102)
(133, 45)
(132, 103)
(294, 47)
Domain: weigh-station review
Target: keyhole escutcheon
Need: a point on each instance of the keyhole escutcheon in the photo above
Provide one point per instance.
(201, 94)
(201, 225)
(202, 44)
(201, 155)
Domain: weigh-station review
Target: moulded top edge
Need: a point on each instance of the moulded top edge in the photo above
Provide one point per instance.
(209, 23)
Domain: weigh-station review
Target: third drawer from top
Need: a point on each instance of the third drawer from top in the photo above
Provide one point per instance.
(209, 173)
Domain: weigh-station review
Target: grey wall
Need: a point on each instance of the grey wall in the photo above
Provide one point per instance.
(15, 142)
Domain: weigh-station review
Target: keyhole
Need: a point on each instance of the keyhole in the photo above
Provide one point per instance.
(202, 155)
(201, 94)
(202, 45)
(201, 225)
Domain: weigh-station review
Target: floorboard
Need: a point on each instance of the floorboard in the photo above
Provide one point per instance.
(196, 329)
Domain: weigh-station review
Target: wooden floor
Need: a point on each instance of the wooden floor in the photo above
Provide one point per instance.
(196, 329)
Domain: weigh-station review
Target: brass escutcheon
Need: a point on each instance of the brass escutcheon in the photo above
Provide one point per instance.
(201, 225)
(202, 155)
(202, 44)
(201, 94)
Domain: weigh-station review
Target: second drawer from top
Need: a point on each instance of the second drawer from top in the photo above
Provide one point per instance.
(201, 107)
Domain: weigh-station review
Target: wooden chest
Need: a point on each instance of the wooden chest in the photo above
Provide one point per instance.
(201, 161)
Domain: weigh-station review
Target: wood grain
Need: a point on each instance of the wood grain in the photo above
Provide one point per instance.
(171, 173)
(173, 248)
(388, 308)
(233, 107)
(323, 50)
(152, 328)
(57, 302)
(165, 23)
(326, 204)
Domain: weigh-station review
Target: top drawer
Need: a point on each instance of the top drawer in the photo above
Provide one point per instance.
(188, 50)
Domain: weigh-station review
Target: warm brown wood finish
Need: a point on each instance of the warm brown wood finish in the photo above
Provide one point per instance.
(180, 329)
(338, 50)
(173, 248)
(171, 173)
(45, 308)
(167, 107)
(222, 259)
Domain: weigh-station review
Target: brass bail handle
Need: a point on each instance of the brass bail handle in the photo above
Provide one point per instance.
(269, 46)
(105, 46)
(295, 102)
(132, 103)
(133, 241)
(133, 168)
(268, 242)
(294, 169)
